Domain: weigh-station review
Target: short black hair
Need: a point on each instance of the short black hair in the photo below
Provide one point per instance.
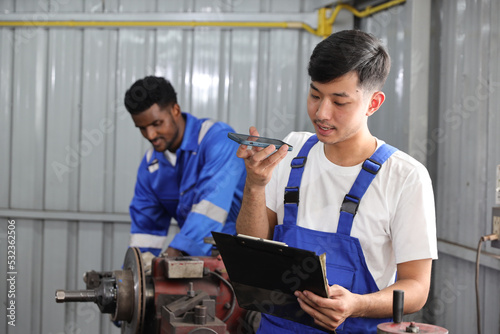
(148, 91)
(351, 50)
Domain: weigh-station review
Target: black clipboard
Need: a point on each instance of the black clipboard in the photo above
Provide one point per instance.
(265, 274)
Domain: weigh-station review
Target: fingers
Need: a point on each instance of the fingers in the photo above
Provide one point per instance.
(260, 161)
(268, 156)
(242, 152)
(317, 316)
(322, 316)
(312, 299)
(253, 131)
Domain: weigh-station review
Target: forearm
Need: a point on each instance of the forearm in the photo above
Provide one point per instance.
(379, 304)
(252, 219)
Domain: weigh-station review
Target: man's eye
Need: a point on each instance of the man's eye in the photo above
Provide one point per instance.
(340, 104)
(314, 96)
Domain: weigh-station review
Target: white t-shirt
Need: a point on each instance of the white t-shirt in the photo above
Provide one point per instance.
(395, 222)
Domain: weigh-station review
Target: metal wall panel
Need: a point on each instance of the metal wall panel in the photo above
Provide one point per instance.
(65, 149)
(28, 121)
(465, 113)
(6, 65)
(471, 119)
(54, 233)
(392, 121)
(29, 271)
(468, 146)
(460, 146)
(98, 107)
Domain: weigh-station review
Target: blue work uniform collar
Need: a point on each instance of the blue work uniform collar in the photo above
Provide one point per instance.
(190, 142)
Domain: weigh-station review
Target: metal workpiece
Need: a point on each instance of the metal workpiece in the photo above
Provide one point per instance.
(133, 263)
(124, 296)
(65, 296)
(103, 295)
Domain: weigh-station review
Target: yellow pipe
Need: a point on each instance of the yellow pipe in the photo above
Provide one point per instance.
(367, 12)
(324, 23)
(76, 24)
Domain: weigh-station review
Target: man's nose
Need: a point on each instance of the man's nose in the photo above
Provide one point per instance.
(324, 109)
(150, 133)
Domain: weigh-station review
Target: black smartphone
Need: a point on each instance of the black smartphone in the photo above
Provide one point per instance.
(256, 141)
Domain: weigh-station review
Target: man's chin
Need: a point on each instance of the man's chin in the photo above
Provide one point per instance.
(160, 148)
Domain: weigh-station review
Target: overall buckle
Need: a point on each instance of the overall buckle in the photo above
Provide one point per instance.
(291, 195)
(350, 204)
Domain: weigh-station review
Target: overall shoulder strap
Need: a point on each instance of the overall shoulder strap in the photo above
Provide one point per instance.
(292, 189)
(369, 170)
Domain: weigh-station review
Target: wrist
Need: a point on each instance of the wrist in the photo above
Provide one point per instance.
(361, 306)
(254, 189)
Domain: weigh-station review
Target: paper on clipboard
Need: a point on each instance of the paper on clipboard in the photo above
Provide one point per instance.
(265, 274)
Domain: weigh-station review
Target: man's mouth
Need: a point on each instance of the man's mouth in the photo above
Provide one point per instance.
(156, 141)
(324, 127)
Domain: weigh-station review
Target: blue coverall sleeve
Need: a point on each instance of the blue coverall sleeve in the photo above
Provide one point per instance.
(150, 221)
(218, 185)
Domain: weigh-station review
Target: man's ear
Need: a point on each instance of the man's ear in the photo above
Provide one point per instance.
(175, 110)
(376, 101)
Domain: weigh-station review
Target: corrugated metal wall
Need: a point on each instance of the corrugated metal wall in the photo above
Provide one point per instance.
(461, 145)
(69, 151)
(468, 152)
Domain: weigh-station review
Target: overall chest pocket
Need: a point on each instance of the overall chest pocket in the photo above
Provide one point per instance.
(339, 275)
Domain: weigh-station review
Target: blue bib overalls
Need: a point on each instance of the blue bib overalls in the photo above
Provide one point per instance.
(345, 261)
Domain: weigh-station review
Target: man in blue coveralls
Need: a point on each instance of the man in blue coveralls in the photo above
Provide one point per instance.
(190, 174)
(345, 193)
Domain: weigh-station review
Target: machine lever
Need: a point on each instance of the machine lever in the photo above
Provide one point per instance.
(397, 305)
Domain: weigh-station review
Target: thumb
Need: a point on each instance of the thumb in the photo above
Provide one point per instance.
(253, 131)
(335, 291)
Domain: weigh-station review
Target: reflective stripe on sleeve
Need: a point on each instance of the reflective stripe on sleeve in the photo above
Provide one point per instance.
(210, 210)
(147, 240)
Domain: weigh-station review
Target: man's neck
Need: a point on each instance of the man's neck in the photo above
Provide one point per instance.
(351, 152)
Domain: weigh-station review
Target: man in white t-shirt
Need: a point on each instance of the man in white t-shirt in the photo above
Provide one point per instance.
(342, 191)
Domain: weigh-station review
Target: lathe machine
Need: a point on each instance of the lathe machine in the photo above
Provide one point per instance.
(177, 295)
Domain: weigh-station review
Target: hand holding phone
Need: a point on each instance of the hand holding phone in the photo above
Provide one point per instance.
(257, 141)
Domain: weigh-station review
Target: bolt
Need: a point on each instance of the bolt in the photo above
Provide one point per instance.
(60, 296)
(191, 292)
(413, 328)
